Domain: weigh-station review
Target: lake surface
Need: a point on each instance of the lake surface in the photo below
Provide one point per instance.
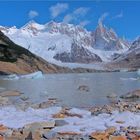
(64, 87)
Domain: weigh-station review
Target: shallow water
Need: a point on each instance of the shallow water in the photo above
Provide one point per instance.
(64, 87)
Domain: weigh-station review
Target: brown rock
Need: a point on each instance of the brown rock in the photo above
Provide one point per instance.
(59, 115)
(132, 136)
(117, 138)
(120, 122)
(64, 113)
(39, 125)
(110, 130)
(1, 138)
(132, 94)
(17, 133)
(138, 106)
(3, 128)
(69, 133)
(100, 135)
(29, 137)
(4, 100)
(10, 93)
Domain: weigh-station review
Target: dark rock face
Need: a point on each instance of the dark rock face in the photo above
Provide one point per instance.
(7, 54)
(15, 59)
(135, 44)
(78, 55)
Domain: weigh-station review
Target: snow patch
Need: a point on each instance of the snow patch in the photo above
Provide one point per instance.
(14, 118)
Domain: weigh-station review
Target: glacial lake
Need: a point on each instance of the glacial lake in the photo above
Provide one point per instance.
(64, 87)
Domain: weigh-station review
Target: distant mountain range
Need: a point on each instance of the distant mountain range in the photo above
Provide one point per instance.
(65, 44)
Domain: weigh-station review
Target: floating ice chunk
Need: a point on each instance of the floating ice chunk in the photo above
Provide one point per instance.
(34, 75)
(131, 78)
(124, 70)
(11, 77)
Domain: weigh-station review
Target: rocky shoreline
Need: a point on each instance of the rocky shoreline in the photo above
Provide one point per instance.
(45, 121)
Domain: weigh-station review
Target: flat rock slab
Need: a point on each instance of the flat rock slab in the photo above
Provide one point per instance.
(10, 93)
(40, 125)
(60, 122)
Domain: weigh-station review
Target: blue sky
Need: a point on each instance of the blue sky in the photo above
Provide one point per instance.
(122, 16)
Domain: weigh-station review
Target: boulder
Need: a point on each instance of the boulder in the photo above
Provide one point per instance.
(83, 88)
(132, 95)
(112, 95)
(40, 125)
(24, 97)
(117, 138)
(4, 100)
(10, 93)
(60, 122)
(99, 135)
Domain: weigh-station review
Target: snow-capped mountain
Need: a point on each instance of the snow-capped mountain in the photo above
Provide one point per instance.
(65, 43)
(129, 59)
(107, 40)
(135, 44)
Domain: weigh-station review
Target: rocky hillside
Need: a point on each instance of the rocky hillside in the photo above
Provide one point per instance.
(130, 59)
(15, 59)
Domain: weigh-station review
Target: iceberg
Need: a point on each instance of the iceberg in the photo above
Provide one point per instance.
(34, 75)
(11, 77)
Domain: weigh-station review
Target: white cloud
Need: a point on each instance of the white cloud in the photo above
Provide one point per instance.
(58, 9)
(84, 23)
(81, 11)
(68, 18)
(76, 14)
(120, 15)
(32, 14)
(103, 16)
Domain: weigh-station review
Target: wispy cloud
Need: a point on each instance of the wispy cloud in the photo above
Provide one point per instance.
(76, 14)
(68, 18)
(120, 15)
(82, 11)
(57, 9)
(32, 14)
(103, 16)
(84, 23)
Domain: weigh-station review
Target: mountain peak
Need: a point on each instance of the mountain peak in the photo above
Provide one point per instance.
(32, 25)
(136, 43)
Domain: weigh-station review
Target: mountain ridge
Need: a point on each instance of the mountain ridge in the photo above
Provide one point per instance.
(65, 44)
(54, 42)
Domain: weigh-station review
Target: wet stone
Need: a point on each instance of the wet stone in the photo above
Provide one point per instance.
(83, 88)
(60, 122)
